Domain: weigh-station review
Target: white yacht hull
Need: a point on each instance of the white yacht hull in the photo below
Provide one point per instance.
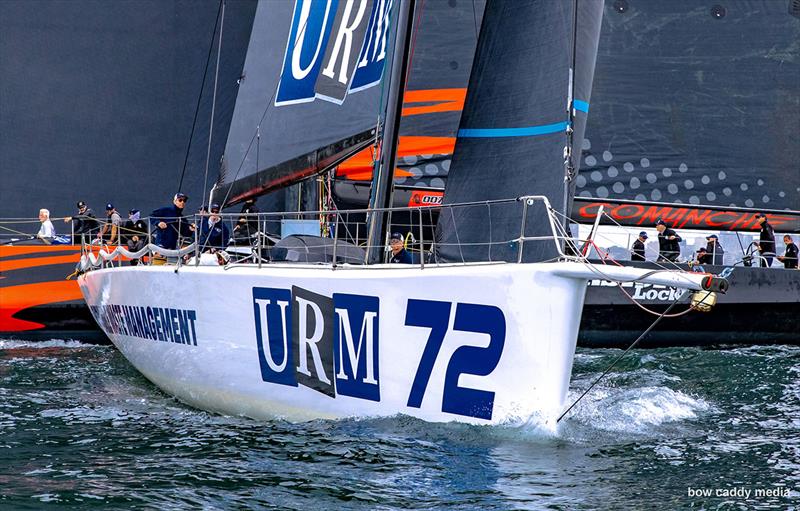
(483, 344)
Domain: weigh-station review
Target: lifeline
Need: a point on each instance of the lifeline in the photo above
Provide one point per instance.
(154, 323)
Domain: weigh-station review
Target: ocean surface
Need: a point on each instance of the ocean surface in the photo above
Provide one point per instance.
(668, 429)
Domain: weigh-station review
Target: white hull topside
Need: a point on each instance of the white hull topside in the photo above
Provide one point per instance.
(483, 344)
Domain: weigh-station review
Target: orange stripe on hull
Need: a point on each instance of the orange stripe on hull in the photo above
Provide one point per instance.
(13, 299)
(32, 262)
(17, 250)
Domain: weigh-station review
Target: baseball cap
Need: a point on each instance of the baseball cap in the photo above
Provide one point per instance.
(81, 204)
(396, 236)
(702, 249)
(133, 212)
(760, 215)
(214, 208)
(180, 195)
(109, 206)
(643, 235)
(712, 237)
(660, 222)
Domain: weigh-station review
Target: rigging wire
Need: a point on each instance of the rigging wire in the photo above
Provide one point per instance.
(214, 101)
(200, 96)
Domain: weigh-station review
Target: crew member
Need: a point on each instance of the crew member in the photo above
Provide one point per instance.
(46, 232)
(703, 256)
(83, 223)
(638, 247)
(668, 248)
(766, 240)
(789, 258)
(110, 229)
(134, 233)
(399, 253)
(170, 223)
(214, 234)
(715, 252)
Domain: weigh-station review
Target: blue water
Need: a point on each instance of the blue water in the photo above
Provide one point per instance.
(79, 428)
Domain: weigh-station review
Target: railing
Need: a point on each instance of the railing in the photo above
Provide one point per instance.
(335, 234)
(337, 237)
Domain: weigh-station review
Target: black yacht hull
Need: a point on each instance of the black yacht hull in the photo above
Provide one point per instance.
(762, 306)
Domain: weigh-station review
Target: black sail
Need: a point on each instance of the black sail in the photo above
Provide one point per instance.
(310, 93)
(98, 99)
(512, 133)
(695, 104)
(445, 37)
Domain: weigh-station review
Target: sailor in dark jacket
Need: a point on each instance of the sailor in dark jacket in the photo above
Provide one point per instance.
(789, 258)
(668, 248)
(84, 223)
(133, 233)
(715, 253)
(766, 240)
(638, 247)
(214, 234)
(702, 257)
(247, 224)
(399, 253)
(170, 223)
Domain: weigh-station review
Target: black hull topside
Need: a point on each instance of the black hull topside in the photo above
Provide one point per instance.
(762, 306)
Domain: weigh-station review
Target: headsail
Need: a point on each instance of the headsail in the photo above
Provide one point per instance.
(310, 94)
(512, 134)
(695, 105)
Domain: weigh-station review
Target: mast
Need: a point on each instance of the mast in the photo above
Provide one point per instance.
(381, 193)
(570, 172)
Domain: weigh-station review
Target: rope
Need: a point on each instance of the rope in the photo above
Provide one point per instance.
(89, 260)
(614, 363)
(200, 96)
(634, 343)
(214, 101)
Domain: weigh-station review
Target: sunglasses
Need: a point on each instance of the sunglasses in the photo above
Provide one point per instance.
(180, 200)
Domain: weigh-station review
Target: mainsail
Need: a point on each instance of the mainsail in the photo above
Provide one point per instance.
(97, 100)
(695, 105)
(310, 93)
(512, 134)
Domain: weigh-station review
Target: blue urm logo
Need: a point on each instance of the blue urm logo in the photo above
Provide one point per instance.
(331, 345)
(334, 46)
(326, 344)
